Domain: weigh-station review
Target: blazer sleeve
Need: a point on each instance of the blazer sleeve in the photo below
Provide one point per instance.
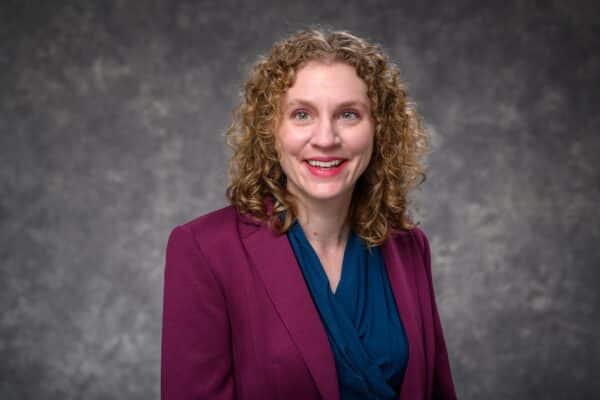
(196, 359)
(443, 386)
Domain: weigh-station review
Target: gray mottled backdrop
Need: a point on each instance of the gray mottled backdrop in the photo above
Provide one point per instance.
(111, 122)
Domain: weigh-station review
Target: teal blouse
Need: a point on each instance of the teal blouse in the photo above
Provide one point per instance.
(361, 319)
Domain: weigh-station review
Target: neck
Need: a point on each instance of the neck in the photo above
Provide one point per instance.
(325, 223)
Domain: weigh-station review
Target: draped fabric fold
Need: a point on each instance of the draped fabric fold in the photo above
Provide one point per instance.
(361, 318)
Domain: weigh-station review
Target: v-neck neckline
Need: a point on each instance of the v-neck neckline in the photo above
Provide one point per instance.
(344, 268)
(322, 272)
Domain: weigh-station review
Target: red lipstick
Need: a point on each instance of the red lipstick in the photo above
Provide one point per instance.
(325, 171)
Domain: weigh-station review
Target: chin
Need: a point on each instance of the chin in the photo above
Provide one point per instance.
(326, 194)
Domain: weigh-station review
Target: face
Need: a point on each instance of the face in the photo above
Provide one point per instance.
(325, 135)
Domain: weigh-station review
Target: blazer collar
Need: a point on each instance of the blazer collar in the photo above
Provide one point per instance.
(276, 263)
(274, 259)
(399, 268)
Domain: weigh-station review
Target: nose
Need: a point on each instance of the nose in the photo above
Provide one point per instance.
(325, 134)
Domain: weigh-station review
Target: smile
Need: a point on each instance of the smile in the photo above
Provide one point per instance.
(324, 164)
(326, 169)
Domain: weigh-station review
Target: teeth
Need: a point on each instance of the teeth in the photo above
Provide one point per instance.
(325, 164)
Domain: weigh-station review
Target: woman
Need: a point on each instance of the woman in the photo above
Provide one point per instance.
(314, 283)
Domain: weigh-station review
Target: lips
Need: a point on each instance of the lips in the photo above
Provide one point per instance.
(325, 164)
(325, 167)
(325, 161)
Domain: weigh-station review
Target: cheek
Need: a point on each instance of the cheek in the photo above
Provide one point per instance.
(288, 144)
(363, 144)
(368, 155)
(285, 152)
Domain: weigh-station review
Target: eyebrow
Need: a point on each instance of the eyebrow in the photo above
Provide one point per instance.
(306, 103)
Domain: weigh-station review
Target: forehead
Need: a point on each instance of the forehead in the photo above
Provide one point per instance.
(318, 80)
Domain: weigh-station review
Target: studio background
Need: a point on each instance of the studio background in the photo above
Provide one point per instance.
(112, 116)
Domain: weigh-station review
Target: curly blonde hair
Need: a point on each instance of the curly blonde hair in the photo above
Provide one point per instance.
(379, 201)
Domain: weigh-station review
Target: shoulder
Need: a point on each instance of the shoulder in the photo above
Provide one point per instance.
(217, 228)
(214, 220)
(408, 247)
(421, 239)
(206, 230)
(413, 237)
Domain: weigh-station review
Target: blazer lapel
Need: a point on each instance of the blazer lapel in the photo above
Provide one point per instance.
(274, 259)
(399, 273)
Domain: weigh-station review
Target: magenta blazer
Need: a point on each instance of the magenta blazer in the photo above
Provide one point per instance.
(239, 321)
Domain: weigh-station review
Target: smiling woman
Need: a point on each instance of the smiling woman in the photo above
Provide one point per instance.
(313, 283)
(325, 139)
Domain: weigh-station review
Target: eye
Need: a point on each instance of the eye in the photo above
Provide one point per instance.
(300, 115)
(349, 114)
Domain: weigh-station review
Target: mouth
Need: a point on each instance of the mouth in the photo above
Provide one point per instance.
(325, 168)
(325, 164)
